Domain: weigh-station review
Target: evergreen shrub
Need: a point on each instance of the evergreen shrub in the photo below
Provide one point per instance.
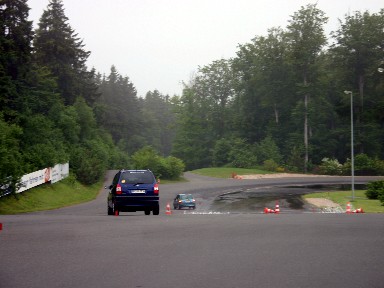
(375, 189)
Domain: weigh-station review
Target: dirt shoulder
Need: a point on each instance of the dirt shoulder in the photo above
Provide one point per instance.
(279, 175)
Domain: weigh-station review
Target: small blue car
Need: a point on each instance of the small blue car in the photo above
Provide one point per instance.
(184, 200)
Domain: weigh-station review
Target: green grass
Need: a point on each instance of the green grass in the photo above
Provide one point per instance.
(225, 172)
(343, 197)
(48, 197)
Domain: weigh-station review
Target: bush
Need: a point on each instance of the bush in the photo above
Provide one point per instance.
(88, 168)
(268, 150)
(220, 153)
(242, 154)
(375, 189)
(270, 165)
(280, 169)
(168, 168)
(379, 166)
(10, 157)
(330, 167)
(364, 166)
(70, 180)
(381, 197)
(146, 158)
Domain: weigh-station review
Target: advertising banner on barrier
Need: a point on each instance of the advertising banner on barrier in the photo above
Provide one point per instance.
(59, 172)
(34, 179)
(52, 175)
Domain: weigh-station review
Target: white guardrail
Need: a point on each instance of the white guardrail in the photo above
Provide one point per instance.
(50, 174)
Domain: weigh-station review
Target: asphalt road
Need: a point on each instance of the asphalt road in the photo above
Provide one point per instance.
(81, 246)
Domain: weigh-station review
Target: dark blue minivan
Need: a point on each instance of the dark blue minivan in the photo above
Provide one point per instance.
(133, 190)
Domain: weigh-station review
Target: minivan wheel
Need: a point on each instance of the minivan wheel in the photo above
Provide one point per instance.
(115, 211)
(156, 211)
(110, 211)
(147, 212)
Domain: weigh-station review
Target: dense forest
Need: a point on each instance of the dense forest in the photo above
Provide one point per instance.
(280, 102)
(283, 97)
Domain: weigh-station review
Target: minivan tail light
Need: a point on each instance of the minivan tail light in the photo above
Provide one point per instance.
(118, 189)
(156, 189)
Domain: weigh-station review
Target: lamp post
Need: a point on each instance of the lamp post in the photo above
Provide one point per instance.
(352, 152)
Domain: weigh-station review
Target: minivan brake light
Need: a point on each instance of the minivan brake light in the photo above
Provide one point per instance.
(118, 189)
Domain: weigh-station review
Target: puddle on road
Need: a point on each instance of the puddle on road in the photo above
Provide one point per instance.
(255, 200)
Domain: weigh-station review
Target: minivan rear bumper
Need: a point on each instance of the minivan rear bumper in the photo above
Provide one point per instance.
(136, 203)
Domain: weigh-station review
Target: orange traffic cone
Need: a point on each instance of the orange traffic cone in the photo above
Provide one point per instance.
(268, 211)
(168, 210)
(277, 208)
(348, 211)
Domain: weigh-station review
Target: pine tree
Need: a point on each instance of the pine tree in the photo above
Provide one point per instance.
(15, 49)
(118, 107)
(59, 48)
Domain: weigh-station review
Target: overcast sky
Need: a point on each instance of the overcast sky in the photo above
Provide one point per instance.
(160, 43)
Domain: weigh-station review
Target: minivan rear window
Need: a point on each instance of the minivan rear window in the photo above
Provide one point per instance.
(137, 177)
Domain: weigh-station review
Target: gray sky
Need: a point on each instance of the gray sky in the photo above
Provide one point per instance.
(160, 43)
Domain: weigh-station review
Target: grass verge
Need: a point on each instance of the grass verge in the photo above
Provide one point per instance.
(224, 172)
(343, 197)
(48, 197)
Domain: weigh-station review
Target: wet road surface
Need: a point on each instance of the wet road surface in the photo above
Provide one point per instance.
(289, 199)
(80, 246)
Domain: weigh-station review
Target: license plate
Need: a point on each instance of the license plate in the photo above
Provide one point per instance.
(138, 191)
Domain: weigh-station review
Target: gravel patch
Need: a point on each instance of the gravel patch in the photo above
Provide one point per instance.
(322, 202)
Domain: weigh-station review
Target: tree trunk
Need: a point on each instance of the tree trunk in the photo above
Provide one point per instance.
(306, 132)
(306, 98)
(276, 113)
(359, 118)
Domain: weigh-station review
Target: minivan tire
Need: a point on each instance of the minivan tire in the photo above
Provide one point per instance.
(156, 211)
